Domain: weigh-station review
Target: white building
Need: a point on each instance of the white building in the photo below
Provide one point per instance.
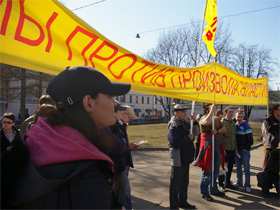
(145, 106)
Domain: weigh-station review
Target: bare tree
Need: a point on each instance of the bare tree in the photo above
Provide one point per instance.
(265, 63)
(182, 48)
(254, 62)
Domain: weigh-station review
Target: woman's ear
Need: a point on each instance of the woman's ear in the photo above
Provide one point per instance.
(88, 103)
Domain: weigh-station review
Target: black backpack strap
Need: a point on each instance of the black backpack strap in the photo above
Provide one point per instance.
(31, 185)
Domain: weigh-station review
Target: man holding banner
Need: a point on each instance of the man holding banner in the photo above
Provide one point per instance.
(208, 161)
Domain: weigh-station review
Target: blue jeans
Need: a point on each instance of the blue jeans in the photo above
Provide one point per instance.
(243, 162)
(206, 179)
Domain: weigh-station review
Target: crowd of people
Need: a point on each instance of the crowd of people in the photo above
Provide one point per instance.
(219, 140)
(74, 152)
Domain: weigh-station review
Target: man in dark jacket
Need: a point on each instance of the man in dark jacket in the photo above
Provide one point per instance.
(13, 155)
(122, 158)
(182, 154)
(271, 132)
(244, 140)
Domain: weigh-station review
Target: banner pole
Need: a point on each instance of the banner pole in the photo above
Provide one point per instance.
(213, 139)
(213, 149)
(192, 113)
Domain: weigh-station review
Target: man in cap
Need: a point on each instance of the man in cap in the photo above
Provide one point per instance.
(182, 154)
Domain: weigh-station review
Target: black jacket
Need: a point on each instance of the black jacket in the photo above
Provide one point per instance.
(72, 185)
(271, 132)
(178, 136)
(13, 157)
(70, 173)
(121, 154)
(6, 146)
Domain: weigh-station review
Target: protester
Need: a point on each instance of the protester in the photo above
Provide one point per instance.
(220, 149)
(68, 147)
(12, 151)
(182, 154)
(271, 132)
(270, 177)
(244, 138)
(121, 156)
(230, 144)
(204, 159)
(46, 105)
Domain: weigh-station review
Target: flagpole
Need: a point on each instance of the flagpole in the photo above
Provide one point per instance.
(213, 140)
(214, 102)
(213, 149)
(192, 113)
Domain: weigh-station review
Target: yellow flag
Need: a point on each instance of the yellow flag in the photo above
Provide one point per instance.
(209, 33)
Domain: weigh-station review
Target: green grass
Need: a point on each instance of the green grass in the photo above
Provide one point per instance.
(156, 134)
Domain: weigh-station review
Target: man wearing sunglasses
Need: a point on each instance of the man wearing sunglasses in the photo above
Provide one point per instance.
(9, 134)
(12, 153)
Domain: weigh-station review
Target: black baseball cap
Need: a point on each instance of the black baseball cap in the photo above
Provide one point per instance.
(71, 85)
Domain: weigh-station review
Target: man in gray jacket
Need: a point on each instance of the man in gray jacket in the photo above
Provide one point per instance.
(182, 154)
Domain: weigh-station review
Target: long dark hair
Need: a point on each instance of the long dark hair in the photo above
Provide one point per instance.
(75, 116)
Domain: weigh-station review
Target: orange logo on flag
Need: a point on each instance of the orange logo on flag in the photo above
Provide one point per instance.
(211, 20)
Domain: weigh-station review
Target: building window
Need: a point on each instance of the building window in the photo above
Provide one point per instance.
(122, 99)
(148, 100)
(130, 99)
(143, 100)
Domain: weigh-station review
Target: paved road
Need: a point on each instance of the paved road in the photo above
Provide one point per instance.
(150, 181)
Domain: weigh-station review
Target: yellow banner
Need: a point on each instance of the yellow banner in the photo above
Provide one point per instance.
(210, 17)
(45, 36)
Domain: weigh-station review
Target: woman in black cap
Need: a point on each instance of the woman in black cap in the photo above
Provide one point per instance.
(68, 148)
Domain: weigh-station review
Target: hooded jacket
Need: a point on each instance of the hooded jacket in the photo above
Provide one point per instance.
(68, 172)
(120, 153)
